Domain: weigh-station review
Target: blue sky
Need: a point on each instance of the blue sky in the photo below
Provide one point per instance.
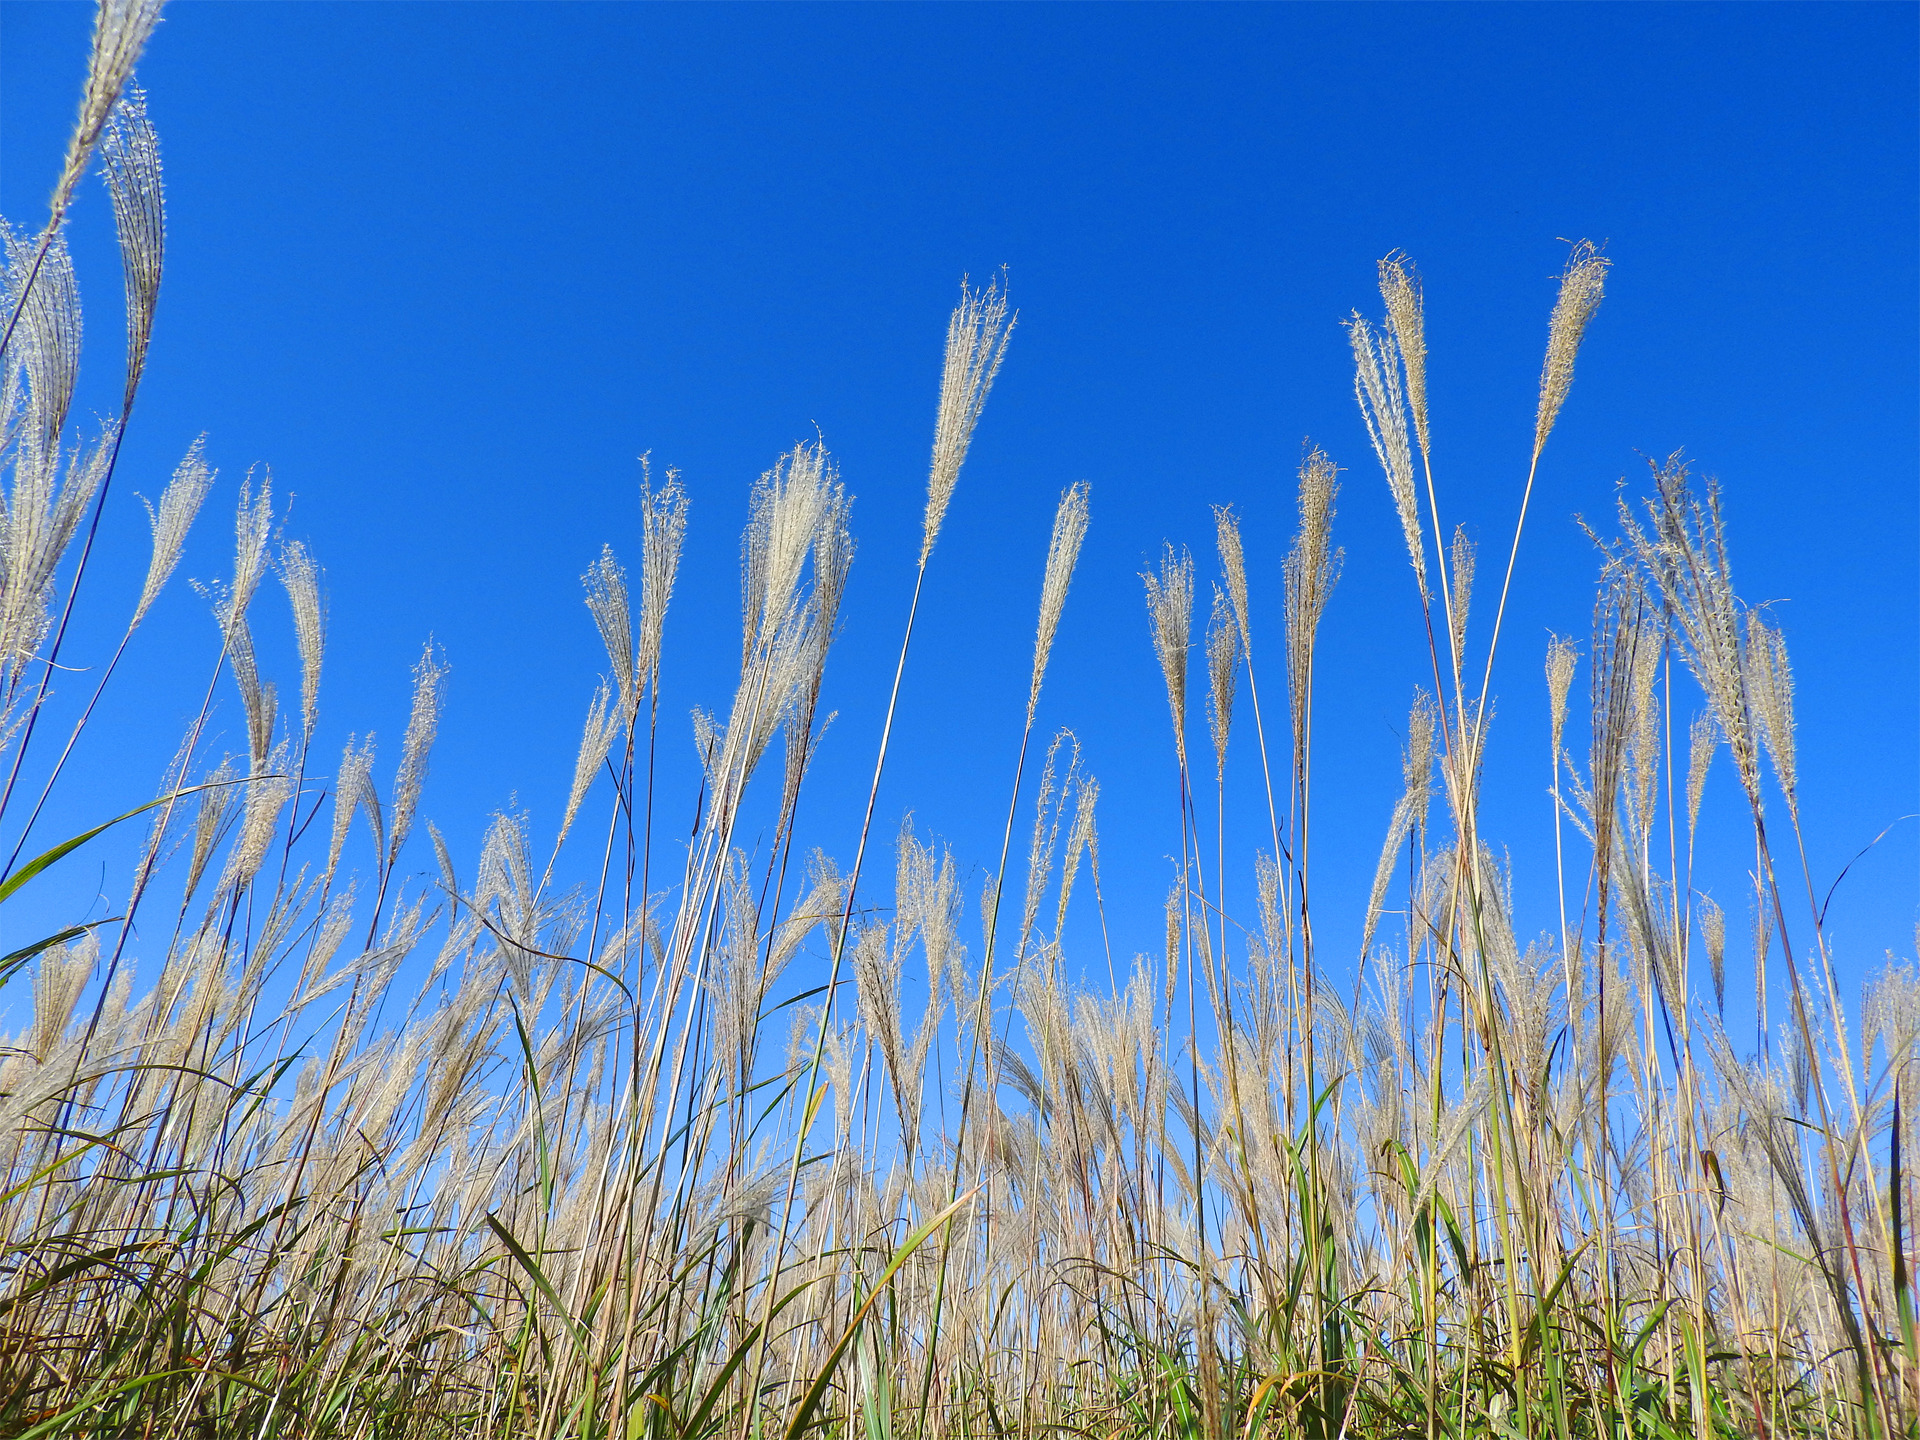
(449, 269)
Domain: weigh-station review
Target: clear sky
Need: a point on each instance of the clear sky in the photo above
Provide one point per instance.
(449, 269)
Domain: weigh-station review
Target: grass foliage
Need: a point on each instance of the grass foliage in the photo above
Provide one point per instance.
(314, 1137)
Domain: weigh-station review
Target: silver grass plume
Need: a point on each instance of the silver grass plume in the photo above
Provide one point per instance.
(215, 818)
(1049, 807)
(352, 786)
(976, 343)
(663, 529)
(1170, 616)
(41, 512)
(596, 738)
(1063, 552)
(120, 32)
(179, 505)
(46, 339)
(1408, 814)
(1312, 568)
(1083, 838)
(1233, 565)
(267, 796)
(252, 527)
(1378, 387)
(1770, 690)
(131, 158)
(1702, 741)
(38, 521)
(1406, 318)
(1683, 551)
(1562, 660)
(1462, 580)
(56, 991)
(606, 584)
(429, 690)
(799, 514)
(1581, 284)
(790, 503)
(1223, 674)
(301, 578)
(1713, 927)
(1645, 752)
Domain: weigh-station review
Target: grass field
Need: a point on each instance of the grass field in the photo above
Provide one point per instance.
(321, 1149)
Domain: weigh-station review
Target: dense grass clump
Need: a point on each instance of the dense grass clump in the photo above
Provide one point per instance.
(297, 1144)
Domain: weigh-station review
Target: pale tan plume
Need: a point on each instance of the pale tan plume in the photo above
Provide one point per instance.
(1581, 284)
(121, 29)
(1223, 673)
(1406, 317)
(301, 578)
(1063, 553)
(1312, 570)
(423, 724)
(1380, 390)
(131, 158)
(1170, 618)
(1562, 661)
(1702, 741)
(1462, 582)
(976, 344)
(169, 522)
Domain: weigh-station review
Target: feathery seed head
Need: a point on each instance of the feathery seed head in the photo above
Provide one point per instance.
(663, 521)
(57, 987)
(1378, 387)
(606, 584)
(131, 158)
(429, 691)
(1581, 284)
(1406, 317)
(1770, 691)
(45, 347)
(1682, 552)
(214, 820)
(1223, 673)
(1713, 927)
(603, 722)
(120, 32)
(1312, 569)
(1463, 551)
(179, 504)
(352, 788)
(1170, 618)
(1233, 564)
(1562, 660)
(302, 580)
(1423, 720)
(1703, 740)
(267, 796)
(1063, 552)
(976, 343)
